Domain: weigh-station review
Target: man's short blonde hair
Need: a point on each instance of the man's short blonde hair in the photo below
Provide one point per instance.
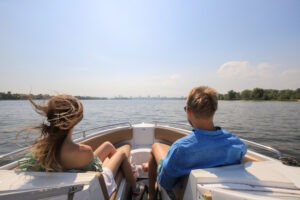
(203, 101)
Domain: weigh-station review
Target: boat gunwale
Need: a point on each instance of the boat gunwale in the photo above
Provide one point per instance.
(128, 125)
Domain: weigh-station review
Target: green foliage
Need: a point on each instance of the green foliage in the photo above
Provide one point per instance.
(262, 94)
(232, 95)
(10, 96)
(258, 94)
(246, 95)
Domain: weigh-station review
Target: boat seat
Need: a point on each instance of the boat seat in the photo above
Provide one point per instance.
(46, 185)
(255, 175)
(23, 182)
(118, 178)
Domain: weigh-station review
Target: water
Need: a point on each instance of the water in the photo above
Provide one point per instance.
(271, 123)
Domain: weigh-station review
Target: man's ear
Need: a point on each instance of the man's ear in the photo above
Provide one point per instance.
(188, 112)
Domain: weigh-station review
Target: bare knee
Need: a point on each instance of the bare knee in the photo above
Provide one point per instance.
(155, 145)
(121, 154)
(106, 149)
(159, 151)
(116, 161)
(108, 144)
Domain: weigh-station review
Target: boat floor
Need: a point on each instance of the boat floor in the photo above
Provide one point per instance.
(144, 185)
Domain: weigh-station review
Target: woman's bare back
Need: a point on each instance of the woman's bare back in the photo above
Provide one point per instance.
(73, 156)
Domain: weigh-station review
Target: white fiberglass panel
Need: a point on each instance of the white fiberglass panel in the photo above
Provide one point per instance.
(143, 134)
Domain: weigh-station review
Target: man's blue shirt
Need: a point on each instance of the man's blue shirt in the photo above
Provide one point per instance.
(200, 149)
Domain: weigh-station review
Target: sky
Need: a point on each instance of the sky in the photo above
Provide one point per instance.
(148, 47)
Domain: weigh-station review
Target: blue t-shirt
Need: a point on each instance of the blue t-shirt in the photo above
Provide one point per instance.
(200, 149)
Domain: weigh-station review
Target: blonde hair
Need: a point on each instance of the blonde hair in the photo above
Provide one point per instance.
(203, 101)
(63, 112)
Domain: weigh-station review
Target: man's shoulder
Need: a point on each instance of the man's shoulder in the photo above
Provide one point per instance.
(226, 133)
(234, 139)
(184, 139)
(184, 142)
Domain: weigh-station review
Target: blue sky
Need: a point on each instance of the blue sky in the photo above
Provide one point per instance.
(141, 48)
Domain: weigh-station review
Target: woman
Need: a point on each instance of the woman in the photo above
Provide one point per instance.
(55, 150)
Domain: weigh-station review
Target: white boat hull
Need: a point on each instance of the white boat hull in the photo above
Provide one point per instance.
(258, 177)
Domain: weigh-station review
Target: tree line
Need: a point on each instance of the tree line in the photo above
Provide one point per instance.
(11, 96)
(262, 94)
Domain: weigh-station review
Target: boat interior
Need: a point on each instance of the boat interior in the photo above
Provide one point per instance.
(136, 140)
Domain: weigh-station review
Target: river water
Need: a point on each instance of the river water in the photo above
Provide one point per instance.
(275, 124)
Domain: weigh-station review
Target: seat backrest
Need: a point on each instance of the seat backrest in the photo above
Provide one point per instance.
(102, 185)
(48, 184)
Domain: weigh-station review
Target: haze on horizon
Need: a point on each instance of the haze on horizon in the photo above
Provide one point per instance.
(148, 48)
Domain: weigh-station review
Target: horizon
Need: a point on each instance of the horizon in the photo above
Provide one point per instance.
(145, 97)
(148, 48)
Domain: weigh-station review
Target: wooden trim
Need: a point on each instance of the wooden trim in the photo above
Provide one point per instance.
(102, 185)
(168, 136)
(115, 137)
(118, 179)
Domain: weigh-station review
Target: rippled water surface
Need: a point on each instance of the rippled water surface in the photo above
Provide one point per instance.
(271, 123)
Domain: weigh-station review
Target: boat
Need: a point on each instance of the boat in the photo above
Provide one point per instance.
(259, 176)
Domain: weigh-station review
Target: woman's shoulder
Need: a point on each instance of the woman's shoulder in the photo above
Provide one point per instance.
(87, 160)
(76, 156)
(85, 153)
(85, 148)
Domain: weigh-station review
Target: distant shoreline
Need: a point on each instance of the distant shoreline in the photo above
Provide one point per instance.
(257, 94)
(157, 99)
(106, 98)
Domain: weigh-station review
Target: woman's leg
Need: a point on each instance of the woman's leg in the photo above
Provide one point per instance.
(119, 159)
(105, 150)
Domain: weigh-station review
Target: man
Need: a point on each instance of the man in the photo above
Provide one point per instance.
(206, 146)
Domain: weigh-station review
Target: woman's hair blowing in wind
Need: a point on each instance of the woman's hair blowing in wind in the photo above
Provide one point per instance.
(63, 112)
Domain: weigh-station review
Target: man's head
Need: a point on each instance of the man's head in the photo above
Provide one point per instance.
(202, 102)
